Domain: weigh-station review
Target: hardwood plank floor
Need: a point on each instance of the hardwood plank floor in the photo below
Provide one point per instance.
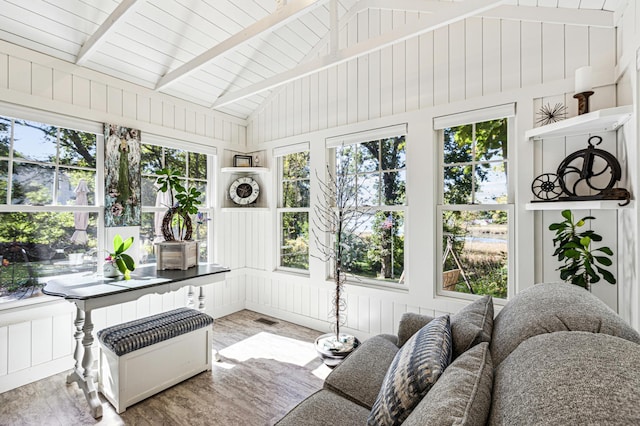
(264, 371)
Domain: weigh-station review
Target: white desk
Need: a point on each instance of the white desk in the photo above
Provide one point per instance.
(93, 292)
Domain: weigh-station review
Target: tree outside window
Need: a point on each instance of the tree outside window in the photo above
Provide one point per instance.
(376, 248)
(475, 218)
(294, 210)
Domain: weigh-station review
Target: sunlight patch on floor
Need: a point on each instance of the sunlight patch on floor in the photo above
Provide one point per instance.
(270, 346)
(321, 372)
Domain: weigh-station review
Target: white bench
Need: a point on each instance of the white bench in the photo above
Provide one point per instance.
(143, 357)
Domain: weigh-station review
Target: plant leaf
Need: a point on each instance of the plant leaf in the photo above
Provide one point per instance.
(128, 262)
(567, 214)
(605, 250)
(604, 260)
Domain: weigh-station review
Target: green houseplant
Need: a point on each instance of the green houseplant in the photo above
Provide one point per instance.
(176, 225)
(118, 258)
(583, 265)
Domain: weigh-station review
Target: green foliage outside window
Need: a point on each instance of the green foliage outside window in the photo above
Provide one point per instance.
(294, 243)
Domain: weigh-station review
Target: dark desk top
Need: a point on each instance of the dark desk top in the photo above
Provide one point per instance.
(92, 286)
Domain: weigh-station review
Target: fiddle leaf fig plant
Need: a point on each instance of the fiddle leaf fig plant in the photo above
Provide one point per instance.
(583, 265)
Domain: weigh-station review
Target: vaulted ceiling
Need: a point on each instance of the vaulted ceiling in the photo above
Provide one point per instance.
(229, 54)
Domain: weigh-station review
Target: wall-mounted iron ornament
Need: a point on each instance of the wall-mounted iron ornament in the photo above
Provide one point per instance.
(580, 174)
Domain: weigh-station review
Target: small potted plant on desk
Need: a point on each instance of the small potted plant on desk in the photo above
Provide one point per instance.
(178, 250)
(118, 262)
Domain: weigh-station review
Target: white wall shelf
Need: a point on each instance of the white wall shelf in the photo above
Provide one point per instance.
(579, 205)
(245, 209)
(604, 120)
(253, 170)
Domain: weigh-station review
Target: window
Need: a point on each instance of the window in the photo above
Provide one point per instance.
(475, 211)
(194, 168)
(377, 170)
(293, 211)
(47, 204)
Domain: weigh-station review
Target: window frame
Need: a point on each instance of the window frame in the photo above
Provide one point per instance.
(279, 155)
(374, 135)
(467, 118)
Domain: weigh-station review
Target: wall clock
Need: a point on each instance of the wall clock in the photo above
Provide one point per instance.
(244, 191)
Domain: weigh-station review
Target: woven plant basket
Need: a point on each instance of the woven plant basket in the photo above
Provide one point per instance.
(167, 229)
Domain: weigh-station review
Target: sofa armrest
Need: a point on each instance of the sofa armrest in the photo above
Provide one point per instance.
(410, 323)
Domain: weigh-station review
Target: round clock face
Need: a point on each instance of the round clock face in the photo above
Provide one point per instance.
(244, 191)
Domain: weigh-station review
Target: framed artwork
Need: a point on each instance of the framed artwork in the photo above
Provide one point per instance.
(122, 176)
(242, 161)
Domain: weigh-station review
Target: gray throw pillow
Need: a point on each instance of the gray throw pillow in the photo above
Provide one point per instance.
(462, 395)
(413, 371)
(473, 324)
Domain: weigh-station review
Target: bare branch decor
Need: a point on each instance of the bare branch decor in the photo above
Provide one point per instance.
(338, 219)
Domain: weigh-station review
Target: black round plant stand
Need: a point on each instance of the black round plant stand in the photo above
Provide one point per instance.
(334, 356)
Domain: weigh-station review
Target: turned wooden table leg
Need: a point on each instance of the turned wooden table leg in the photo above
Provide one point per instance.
(78, 352)
(90, 388)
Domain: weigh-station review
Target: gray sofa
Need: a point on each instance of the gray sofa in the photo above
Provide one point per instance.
(554, 355)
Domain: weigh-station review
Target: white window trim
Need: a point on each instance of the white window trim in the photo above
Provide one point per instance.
(331, 144)
(460, 119)
(278, 154)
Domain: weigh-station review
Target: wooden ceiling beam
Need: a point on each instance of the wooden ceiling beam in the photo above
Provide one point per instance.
(454, 12)
(90, 46)
(280, 17)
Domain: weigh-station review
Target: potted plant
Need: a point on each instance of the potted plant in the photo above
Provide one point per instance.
(583, 265)
(339, 217)
(178, 251)
(118, 261)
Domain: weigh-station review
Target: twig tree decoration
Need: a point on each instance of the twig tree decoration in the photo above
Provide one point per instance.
(338, 217)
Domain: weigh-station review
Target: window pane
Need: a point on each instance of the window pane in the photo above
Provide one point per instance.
(68, 181)
(491, 140)
(393, 153)
(77, 148)
(376, 250)
(491, 183)
(5, 136)
(32, 184)
(49, 250)
(458, 144)
(149, 193)
(475, 245)
(345, 159)
(367, 186)
(176, 160)
(295, 166)
(147, 236)
(457, 184)
(4, 176)
(201, 233)
(197, 165)
(295, 193)
(294, 243)
(34, 141)
(368, 156)
(394, 188)
(151, 159)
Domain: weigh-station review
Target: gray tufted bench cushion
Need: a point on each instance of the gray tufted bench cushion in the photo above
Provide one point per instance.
(133, 335)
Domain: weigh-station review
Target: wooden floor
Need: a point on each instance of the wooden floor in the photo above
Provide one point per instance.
(265, 370)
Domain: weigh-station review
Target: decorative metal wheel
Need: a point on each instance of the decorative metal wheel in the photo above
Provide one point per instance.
(546, 186)
(599, 170)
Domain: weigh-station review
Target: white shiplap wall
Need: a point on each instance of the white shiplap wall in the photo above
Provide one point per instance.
(453, 69)
(628, 43)
(36, 340)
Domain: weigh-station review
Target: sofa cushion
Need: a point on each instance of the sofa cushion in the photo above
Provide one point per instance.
(568, 378)
(413, 371)
(462, 395)
(473, 324)
(545, 308)
(410, 323)
(359, 377)
(325, 408)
